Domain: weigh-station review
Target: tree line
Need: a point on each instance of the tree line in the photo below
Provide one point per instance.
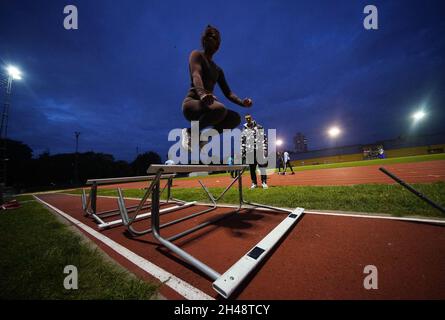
(26, 173)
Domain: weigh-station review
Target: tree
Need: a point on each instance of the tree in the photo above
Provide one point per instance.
(18, 157)
(28, 173)
(143, 161)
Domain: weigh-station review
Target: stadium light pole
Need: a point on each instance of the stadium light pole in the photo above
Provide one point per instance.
(13, 73)
(417, 119)
(418, 115)
(333, 133)
(76, 158)
(279, 143)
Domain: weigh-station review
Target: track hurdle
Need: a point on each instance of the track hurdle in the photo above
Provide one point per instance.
(226, 283)
(89, 203)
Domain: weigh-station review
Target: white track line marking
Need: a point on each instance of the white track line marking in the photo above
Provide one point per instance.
(435, 221)
(352, 215)
(183, 288)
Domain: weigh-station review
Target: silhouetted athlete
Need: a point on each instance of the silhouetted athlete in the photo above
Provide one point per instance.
(200, 104)
(287, 162)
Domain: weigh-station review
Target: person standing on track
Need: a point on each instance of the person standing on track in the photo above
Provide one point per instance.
(252, 145)
(287, 162)
(280, 161)
(200, 103)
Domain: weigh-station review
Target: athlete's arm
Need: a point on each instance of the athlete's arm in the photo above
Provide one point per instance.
(229, 94)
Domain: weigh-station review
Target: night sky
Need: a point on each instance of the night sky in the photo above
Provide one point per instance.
(121, 77)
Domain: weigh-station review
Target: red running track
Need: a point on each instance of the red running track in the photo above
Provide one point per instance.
(418, 172)
(322, 257)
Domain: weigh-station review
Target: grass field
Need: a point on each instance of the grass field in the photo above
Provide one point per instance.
(429, 157)
(375, 198)
(35, 248)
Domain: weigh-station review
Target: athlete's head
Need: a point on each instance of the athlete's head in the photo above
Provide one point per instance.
(210, 39)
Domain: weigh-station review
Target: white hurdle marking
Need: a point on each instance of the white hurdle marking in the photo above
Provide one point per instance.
(226, 284)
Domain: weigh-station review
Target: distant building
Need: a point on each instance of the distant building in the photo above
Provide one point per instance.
(300, 143)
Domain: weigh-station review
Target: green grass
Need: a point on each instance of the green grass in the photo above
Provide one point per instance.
(35, 248)
(429, 157)
(410, 159)
(374, 198)
(24, 198)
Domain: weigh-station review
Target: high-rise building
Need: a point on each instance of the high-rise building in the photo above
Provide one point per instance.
(300, 142)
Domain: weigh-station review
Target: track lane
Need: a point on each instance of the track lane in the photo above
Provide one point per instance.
(321, 258)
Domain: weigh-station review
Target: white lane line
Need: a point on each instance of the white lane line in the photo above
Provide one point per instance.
(353, 215)
(180, 286)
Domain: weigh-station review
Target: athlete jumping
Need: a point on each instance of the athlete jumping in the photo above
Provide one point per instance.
(200, 103)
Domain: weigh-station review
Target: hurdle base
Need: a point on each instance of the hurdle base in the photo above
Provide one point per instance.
(228, 282)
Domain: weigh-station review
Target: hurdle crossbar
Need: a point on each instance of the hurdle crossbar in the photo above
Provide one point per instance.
(89, 203)
(181, 168)
(105, 181)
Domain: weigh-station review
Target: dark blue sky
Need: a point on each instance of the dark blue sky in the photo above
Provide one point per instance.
(121, 78)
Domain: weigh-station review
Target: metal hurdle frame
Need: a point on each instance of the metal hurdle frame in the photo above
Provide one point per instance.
(225, 284)
(89, 203)
(128, 221)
